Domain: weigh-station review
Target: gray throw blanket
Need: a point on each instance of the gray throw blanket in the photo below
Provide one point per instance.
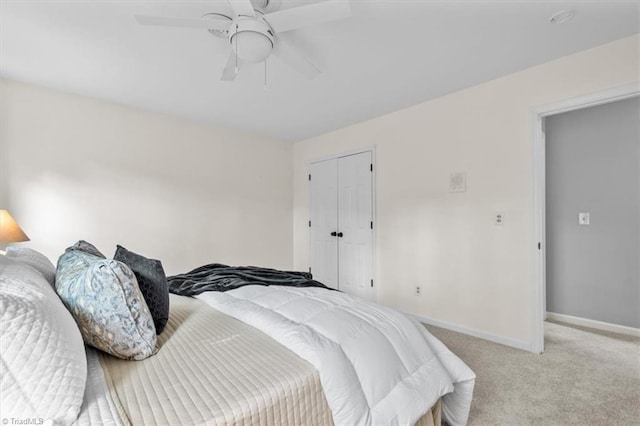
(218, 277)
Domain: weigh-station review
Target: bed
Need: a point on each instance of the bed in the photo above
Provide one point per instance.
(251, 356)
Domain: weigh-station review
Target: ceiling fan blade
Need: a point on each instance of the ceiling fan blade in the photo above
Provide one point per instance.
(242, 7)
(199, 23)
(294, 58)
(304, 16)
(229, 72)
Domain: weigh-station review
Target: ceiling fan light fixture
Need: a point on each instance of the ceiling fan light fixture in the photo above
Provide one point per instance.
(252, 39)
(251, 46)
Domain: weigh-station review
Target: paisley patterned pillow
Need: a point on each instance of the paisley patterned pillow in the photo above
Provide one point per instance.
(87, 247)
(104, 298)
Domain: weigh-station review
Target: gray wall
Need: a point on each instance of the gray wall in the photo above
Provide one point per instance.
(593, 162)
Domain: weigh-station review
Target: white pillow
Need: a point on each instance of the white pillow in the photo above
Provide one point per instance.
(35, 259)
(44, 365)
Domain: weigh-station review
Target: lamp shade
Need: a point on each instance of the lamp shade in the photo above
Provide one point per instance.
(10, 231)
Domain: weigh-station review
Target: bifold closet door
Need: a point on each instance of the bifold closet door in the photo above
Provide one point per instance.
(341, 227)
(323, 221)
(355, 226)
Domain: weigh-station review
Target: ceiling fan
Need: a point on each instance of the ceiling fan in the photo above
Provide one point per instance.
(253, 32)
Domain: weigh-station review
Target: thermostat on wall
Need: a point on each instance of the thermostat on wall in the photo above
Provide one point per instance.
(458, 182)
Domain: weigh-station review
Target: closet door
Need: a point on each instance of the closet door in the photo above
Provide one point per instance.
(323, 217)
(355, 226)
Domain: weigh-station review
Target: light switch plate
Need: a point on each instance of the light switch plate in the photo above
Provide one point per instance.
(583, 218)
(458, 182)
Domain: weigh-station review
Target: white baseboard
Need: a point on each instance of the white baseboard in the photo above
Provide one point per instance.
(598, 325)
(507, 341)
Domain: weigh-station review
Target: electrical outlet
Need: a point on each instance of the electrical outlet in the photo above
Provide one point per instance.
(584, 219)
(418, 291)
(498, 219)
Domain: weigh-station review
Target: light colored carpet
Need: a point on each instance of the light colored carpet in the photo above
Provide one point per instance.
(584, 377)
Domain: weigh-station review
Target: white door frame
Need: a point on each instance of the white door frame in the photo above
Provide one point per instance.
(539, 250)
(372, 149)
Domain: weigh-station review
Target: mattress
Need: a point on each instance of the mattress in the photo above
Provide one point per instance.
(214, 369)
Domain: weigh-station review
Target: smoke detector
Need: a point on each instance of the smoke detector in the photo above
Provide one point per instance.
(562, 16)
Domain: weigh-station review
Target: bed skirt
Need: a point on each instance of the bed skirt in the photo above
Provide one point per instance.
(433, 417)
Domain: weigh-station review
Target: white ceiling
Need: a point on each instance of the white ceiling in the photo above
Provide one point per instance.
(391, 54)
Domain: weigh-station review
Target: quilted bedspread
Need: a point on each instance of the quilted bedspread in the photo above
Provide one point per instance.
(43, 368)
(376, 365)
(215, 370)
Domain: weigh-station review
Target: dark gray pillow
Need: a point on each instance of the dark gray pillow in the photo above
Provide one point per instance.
(152, 281)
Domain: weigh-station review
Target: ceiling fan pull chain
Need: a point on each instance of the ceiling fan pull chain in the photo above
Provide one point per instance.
(236, 51)
(265, 75)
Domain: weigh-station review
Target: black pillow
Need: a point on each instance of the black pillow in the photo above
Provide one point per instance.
(152, 282)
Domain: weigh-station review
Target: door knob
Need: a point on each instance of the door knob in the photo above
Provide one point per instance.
(334, 233)
(340, 234)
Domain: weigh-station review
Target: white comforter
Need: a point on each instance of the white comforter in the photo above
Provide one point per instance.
(377, 367)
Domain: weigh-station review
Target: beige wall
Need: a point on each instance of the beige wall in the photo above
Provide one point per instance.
(473, 274)
(189, 193)
(183, 192)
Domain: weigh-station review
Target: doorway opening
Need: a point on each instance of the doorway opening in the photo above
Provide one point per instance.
(543, 117)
